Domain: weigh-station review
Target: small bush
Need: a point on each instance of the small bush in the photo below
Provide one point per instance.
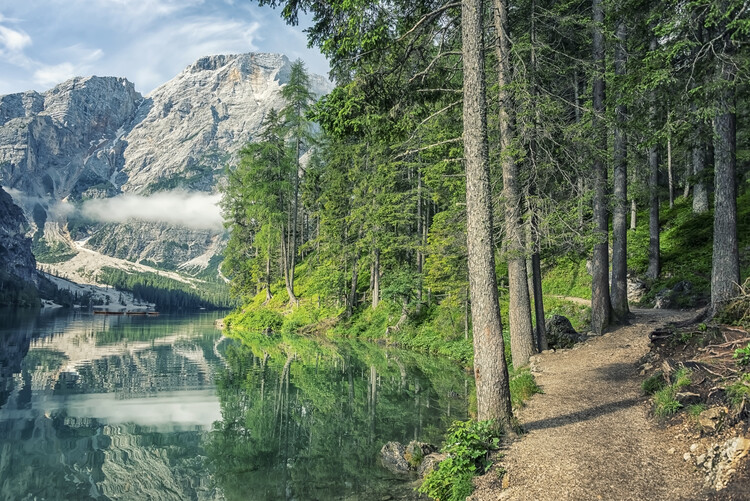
(695, 410)
(522, 387)
(665, 399)
(653, 384)
(742, 355)
(665, 403)
(739, 391)
(467, 445)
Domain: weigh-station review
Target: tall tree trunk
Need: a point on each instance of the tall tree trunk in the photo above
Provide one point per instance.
(490, 370)
(619, 290)
(352, 299)
(700, 191)
(376, 278)
(519, 310)
(725, 271)
(670, 173)
(601, 308)
(688, 172)
(268, 273)
(536, 280)
(293, 243)
(654, 261)
(535, 287)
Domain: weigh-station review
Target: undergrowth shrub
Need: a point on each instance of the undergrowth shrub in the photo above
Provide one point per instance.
(665, 399)
(467, 444)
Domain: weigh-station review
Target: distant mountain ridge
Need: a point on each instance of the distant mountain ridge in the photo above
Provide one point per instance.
(95, 138)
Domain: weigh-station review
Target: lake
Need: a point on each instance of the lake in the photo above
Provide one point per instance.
(132, 407)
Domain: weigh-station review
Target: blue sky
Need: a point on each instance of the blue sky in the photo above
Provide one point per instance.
(44, 42)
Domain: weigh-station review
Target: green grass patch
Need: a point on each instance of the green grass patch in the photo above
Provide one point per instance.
(665, 399)
(653, 383)
(567, 277)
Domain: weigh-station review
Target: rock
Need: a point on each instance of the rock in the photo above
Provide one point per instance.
(712, 419)
(686, 456)
(721, 461)
(636, 289)
(671, 450)
(694, 447)
(700, 460)
(415, 452)
(392, 458)
(17, 263)
(679, 296)
(430, 463)
(688, 398)
(560, 332)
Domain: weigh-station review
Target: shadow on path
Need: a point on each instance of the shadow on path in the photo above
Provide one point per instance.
(582, 415)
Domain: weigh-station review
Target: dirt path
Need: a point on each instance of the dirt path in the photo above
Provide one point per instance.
(589, 436)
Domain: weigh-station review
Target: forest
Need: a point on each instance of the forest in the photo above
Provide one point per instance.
(474, 147)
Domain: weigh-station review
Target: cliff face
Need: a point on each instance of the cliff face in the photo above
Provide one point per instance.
(17, 263)
(97, 138)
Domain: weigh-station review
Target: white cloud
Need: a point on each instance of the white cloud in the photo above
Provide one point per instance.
(13, 40)
(49, 76)
(195, 210)
(162, 53)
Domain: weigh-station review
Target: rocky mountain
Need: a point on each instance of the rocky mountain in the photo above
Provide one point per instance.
(17, 263)
(68, 152)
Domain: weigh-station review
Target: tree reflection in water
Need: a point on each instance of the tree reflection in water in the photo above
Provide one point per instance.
(303, 420)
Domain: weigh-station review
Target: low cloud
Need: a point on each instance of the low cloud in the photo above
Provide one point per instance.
(193, 210)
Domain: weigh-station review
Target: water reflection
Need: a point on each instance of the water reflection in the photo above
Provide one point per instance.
(167, 408)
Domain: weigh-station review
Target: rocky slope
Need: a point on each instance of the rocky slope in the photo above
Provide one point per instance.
(97, 139)
(17, 263)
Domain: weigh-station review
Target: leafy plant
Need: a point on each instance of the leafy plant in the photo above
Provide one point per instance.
(653, 384)
(742, 355)
(739, 391)
(665, 399)
(467, 445)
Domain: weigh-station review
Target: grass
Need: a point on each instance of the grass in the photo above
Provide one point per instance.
(665, 399)
(686, 244)
(739, 391)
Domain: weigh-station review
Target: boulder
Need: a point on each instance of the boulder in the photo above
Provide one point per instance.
(416, 451)
(430, 463)
(712, 419)
(560, 332)
(679, 296)
(392, 458)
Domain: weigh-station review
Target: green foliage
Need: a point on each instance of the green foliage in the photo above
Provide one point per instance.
(467, 445)
(742, 356)
(739, 390)
(665, 399)
(694, 410)
(665, 403)
(55, 252)
(653, 383)
(255, 320)
(568, 277)
(168, 293)
(522, 387)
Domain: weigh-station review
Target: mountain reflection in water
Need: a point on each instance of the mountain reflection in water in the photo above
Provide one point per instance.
(167, 408)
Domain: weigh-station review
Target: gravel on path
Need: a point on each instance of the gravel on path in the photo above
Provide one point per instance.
(589, 435)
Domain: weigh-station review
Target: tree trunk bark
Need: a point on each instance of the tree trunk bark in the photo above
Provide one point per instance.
(619, 290)
(490, 370)
(601, 308)
(700, 191)
(376, 279)
(519, 310)
(353, 290)
(654, 261)
(725, 272)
